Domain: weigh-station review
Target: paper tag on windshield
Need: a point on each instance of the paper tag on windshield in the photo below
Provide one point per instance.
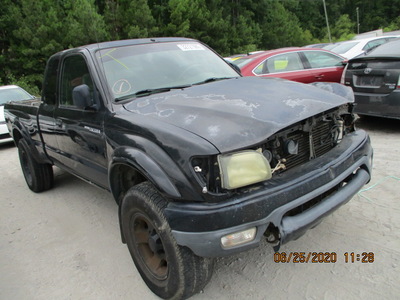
(190, 47)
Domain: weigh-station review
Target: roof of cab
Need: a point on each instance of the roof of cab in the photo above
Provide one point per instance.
(121, 43)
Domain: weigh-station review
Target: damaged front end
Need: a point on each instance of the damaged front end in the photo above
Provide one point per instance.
(309, 169)
(286, 149)
(308, 139)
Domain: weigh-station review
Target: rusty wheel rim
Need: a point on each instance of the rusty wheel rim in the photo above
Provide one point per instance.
(150, 246)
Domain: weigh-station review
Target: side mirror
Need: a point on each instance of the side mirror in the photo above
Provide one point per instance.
(81, 97)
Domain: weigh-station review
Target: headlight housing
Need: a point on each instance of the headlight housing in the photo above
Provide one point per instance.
(243, 168)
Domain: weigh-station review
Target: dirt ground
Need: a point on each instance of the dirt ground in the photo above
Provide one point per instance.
(65, 243)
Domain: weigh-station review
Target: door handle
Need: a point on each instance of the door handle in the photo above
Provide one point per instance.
(319, 76)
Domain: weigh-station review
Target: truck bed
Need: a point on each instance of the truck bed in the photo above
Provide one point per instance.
(24, 113)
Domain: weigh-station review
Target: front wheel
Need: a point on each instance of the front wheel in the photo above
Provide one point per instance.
(169, 270)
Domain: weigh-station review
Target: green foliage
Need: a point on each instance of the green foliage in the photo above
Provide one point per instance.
(246, 34)
(282, 28)
(129, 19)
(31, 31)
(394, 25)
(343, 29)
(82, 24)
(25, 82)
(181, 12)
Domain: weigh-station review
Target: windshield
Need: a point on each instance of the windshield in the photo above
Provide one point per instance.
(13, 94)
(138, 69)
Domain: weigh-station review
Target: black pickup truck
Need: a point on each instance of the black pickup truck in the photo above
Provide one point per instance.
(201, 161)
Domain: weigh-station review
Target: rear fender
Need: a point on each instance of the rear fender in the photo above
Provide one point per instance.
(19, 132)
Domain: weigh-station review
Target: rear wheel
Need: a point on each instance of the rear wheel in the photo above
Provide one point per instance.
(169, 270)
(39, 177)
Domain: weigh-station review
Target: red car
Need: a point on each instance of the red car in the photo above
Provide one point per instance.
(298, 64)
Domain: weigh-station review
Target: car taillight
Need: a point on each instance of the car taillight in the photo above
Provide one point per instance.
(343, 74)
(398, 83)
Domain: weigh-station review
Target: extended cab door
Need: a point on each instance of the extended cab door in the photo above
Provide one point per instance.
(47, 123)
(79, 119)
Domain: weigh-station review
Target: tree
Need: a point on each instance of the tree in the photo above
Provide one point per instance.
(343, 29)
(203, 20)
(41, 28)
(7, 26)
(32, 39)
(311, 17)
(394, 25)
(31, 31)
(129, 19)
(81, 23)
(281, 28)
(246, 33)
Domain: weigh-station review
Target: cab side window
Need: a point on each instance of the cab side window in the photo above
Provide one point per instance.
(49, 94)
(75, 77)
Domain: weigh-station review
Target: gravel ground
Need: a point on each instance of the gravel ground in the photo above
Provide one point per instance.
(65, 243)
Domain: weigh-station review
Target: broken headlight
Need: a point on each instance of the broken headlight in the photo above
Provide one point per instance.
(243, 168)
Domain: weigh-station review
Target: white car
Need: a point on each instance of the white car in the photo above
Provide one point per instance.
(353, 48)
(10, 93)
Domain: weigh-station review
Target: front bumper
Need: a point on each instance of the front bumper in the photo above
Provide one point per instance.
(333, 179)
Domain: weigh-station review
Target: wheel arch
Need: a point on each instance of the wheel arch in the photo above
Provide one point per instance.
(18, 133)
(130, 166)
(17, 136)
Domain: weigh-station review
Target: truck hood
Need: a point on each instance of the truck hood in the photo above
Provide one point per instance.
(239, 112)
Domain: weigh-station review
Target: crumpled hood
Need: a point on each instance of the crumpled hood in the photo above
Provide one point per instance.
(240, 112)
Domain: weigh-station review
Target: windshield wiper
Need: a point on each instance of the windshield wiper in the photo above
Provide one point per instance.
(211, 79)
(146, 92)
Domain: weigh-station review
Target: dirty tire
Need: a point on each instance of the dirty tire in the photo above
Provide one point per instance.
(39, 177)
(169, 270)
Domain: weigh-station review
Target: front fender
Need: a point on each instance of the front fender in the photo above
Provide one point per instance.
(146, 166)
